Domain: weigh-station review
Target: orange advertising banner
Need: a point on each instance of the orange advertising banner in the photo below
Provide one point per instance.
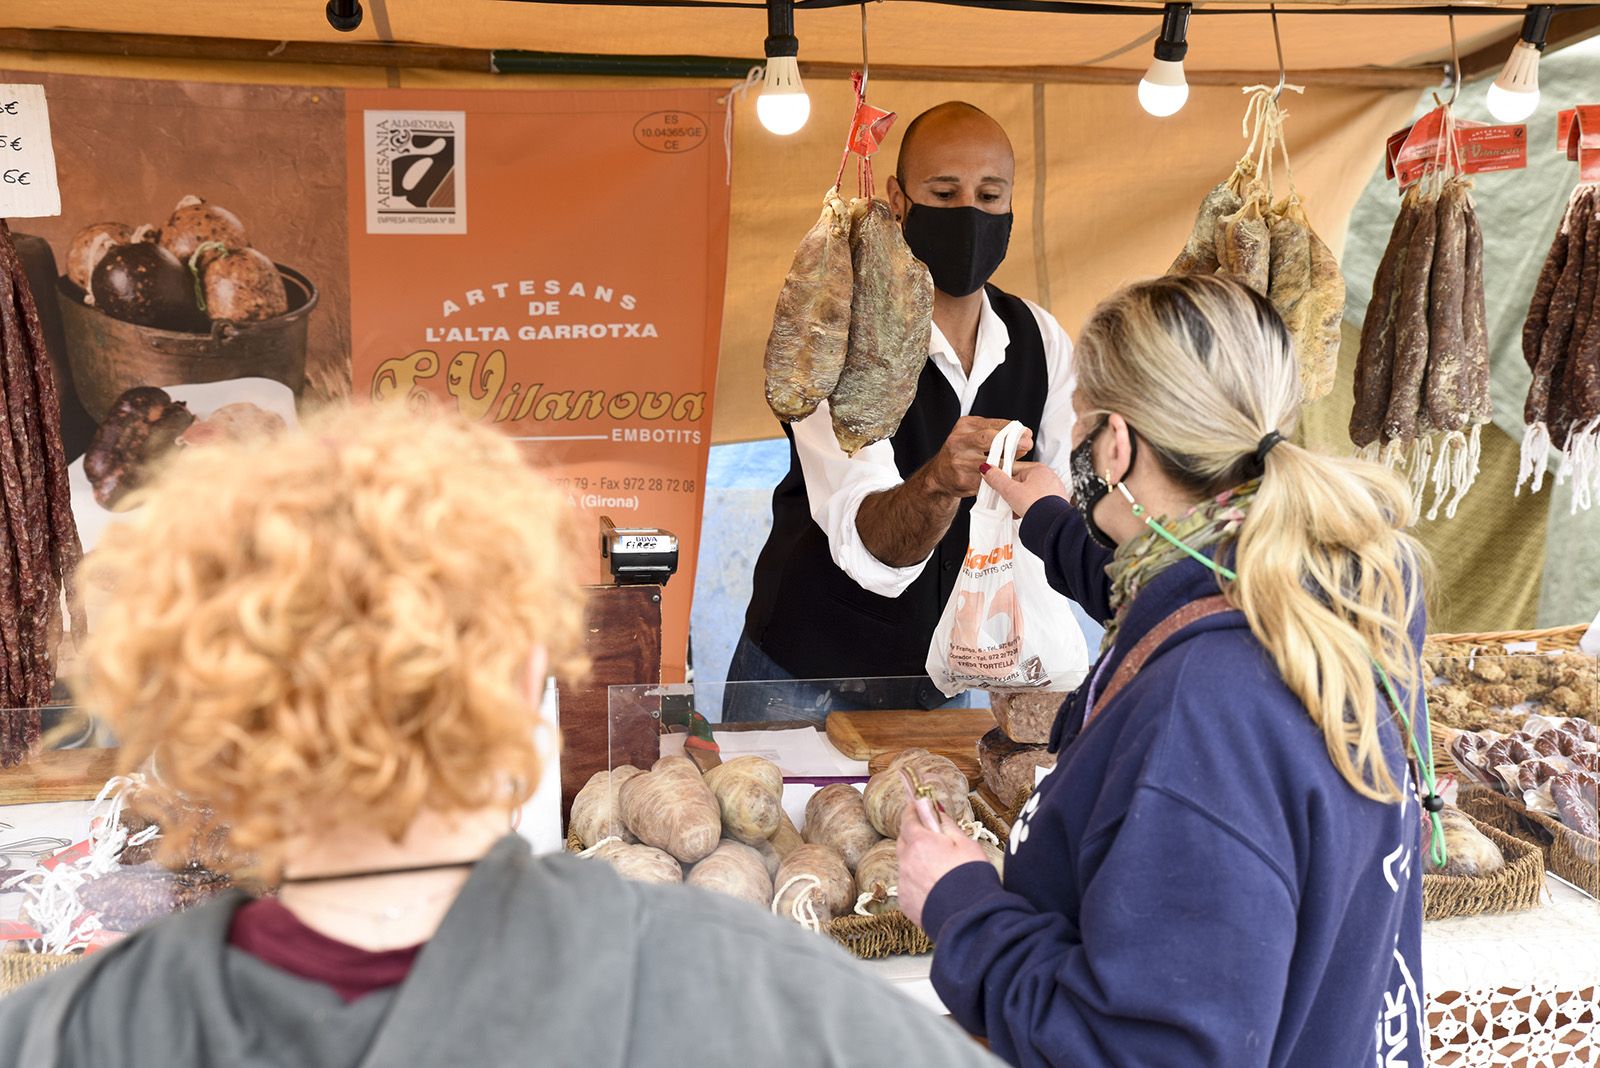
(551, 263)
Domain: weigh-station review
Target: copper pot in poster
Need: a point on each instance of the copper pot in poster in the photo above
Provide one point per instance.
(109, 356)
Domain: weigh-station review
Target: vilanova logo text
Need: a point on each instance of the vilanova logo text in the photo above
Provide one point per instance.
(478, 384)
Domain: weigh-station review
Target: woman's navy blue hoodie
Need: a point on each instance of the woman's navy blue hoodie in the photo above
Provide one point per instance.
(1195, 884)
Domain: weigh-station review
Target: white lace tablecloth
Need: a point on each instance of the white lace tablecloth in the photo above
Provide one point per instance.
(1519, 990)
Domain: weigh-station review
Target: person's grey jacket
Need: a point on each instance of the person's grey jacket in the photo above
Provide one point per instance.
(540, 960)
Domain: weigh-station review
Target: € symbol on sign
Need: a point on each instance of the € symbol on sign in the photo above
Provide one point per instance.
(15, 177)
(13, 143)
(9, 107)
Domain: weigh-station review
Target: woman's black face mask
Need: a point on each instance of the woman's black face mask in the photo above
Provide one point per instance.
(1089, 488)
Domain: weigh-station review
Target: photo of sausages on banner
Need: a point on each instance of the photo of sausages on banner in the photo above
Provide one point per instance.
(552, 263)
(196, 283)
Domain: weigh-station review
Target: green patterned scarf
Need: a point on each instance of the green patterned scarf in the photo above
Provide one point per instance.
(1142, 558)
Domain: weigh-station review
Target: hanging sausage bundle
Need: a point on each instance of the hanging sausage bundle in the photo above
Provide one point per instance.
(1561, 343)
(1422, 372)
(855, 314)
(39, 547)
(1240, 233)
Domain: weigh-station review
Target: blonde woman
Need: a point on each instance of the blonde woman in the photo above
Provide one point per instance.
(335, 639)
(1223, 867)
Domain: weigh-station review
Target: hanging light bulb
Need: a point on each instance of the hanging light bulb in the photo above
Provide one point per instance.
(783, 105)
(1515, 94)
(1163, 90)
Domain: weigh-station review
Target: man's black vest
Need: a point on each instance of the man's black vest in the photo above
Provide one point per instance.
(809, 616)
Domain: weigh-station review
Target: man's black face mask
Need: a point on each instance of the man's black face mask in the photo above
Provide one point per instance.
(962, 247)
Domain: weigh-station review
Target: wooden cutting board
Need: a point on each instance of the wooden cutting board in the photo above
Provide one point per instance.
(58, 775)
(877, 737)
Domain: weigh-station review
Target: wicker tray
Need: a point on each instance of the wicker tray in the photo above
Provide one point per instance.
(1549, 640)
(1491, 643)
(1571, 855)
(1444, 762)
(867, 937)
(18, 969)
(1566, 853)
(1514, 887)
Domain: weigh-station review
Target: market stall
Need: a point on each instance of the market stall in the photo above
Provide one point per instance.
(672, 298)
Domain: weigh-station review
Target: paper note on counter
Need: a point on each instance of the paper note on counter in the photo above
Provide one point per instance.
(801, 753)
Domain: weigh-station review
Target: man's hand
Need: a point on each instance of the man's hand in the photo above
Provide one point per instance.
(1027, 485)
(903, 525)
(954, 471)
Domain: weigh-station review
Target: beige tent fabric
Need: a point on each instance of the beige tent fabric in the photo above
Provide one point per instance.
(1488, 559)
(903, 33)
(1120, 188)
(1121, 191)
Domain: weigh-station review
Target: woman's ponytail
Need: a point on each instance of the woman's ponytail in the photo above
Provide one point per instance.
(1328, 578)
(1329, 583)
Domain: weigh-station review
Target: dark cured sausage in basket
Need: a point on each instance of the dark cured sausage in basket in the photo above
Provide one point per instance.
(1577, 798)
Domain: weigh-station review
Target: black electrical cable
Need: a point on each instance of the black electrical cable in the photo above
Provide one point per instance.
(1075, 7)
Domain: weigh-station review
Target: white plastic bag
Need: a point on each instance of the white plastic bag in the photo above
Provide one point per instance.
(1004, 628)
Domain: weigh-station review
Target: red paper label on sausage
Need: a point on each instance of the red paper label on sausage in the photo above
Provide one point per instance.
(1493, 148)
(1578, 133)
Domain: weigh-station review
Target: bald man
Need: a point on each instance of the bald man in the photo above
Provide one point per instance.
(865, 550)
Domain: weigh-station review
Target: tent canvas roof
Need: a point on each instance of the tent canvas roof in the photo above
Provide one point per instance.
(905, 33)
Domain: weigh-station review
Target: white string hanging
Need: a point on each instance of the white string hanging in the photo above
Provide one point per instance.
(52, 894)
(802, 909)
(1580, 462)
(592, 850)
(872, 895)
(735, 92)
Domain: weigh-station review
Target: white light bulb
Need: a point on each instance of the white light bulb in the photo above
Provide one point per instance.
(1163, 90)
(1515, 94)
(783, 106)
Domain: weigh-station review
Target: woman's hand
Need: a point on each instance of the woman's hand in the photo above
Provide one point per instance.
(926, 855)
(1027, 485)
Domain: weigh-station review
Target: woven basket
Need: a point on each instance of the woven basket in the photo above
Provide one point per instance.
(888, 935)
(19, 969)
(1491, 643)
(1566, 853)
(1549, 640)
(1571, 855)
(1444, 762)
(1503, 813)
(867, 937)
(1514, 887)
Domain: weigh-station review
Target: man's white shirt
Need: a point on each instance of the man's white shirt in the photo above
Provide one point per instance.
(836, 484)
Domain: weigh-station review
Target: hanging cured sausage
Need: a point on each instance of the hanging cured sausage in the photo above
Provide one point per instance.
(811, 326)
(856, 313)
(1561, 344)
(1240, 233)
(891, 320)
(39, 544)
(1422, 371)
